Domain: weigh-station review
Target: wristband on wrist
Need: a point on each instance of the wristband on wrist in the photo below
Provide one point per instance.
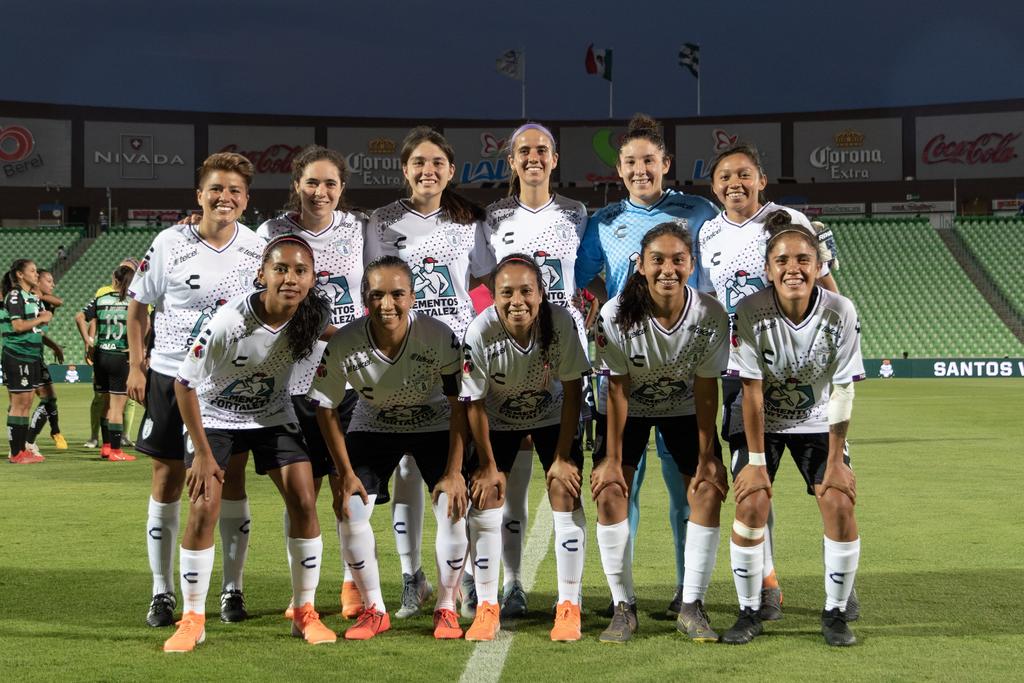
(756, 459)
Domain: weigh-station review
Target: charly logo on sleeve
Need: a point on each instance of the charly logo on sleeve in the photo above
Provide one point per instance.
(434, 287)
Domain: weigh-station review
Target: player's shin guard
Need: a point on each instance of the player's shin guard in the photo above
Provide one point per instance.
(701, 552)
(570, 553)
(747, 569)
(52, 415)
(515, 516)
(234, 535)
(305, 556)
(613, 540)
(450, 551)
(161, 540)
(841, 560)
(407, 514)
(196, 567)
(360, 548)
(485, 551)
(36, 422)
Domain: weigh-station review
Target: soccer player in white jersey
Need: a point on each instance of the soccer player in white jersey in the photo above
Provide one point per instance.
(442, 237)
(612, 243)
(663, 346)
(731, 249)
(522, 376)
(535, 221)
(232, 391)
(188, 272)
(404, 366)
(316, 212)
(796, 348)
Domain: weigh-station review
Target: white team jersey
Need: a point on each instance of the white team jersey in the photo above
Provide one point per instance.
(662, 363)
(796, 363)
(732, 255)
(396, 395)
(239, 367)
(338, 259)
(186, 280)
(550, 234)
(521, 388)
(443, 255)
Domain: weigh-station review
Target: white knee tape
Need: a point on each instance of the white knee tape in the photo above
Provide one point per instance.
(744, 531)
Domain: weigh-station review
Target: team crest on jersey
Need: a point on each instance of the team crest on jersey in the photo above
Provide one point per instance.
(432, 280)
(550, 270)
(789, 398)
(682, 223)
(564, 230)
(452, 235)
(741, 284)
(526, 405)
(663, 390)
(405, 416)
(343, 245)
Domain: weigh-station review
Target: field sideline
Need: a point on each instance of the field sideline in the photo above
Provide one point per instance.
(939, 479)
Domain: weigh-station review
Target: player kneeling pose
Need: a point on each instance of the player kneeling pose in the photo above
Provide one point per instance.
(522, 376)
(232, 390)
(664, 346)
(404, 366)
(791, 341)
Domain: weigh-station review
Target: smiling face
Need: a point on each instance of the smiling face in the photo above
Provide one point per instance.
(667, 264)
(388, 298)
(533, 158)
(223, 197)
(428, 171)
(287, 273)
(737, 183)
(319, 189)
(517, 297)
(642, 166)
(792, 266)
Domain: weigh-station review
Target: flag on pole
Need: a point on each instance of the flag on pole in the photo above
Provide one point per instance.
(510, 64)
(689, 58)
(599, 62)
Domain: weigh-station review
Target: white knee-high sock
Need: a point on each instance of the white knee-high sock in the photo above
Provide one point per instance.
(196, 567)
(234, 536)
(613, 540)
(341, 546)
(407, 514)
(570, 553)
(485, 552)
(361, 551)
(161, 541)
(769, 547)
(305, 556)
(747, 571)
(701, 553)
(450, 552)
(841, 560)
(516, 516)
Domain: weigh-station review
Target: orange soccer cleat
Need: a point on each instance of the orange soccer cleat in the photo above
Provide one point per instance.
(487, 622)
(567, 623)
(191, 631)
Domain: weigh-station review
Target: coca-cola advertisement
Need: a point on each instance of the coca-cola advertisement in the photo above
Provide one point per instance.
(271, 149)
(970, 146)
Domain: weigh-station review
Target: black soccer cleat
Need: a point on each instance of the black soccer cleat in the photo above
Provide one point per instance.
(852, 606)
(161, 610)
(771, 604)
(834, 628)
(747, 627)
(232, 607)
(677, 602)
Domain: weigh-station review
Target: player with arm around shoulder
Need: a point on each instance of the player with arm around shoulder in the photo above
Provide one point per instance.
(522, 376)
(404, 366)
(663, 346)
(796, 348)
(232, 391)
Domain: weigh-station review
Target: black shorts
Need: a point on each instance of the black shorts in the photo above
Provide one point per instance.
(44, 373)
(505, 447)
(305, 411)
(375, 455)
(272, 447)
(21, 375)
(110, 372)
(589, 404)
(809, 451)
(162, 433)
(731, 387)
(679, 434)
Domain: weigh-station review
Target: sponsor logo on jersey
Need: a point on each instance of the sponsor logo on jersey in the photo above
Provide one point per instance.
(741, 284)
(788, 400)
(527, 405)
(662, 390)
(339, 294)
(551, 271)
(405, 416)
(435, 288)
(246, 393)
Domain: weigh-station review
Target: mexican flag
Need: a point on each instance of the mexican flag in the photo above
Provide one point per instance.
(599, 62)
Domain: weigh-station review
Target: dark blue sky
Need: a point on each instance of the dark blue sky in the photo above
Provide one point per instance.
(411, 58)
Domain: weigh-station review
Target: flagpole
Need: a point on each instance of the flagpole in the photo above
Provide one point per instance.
(610, 109)
(698, 92)
(523, 50)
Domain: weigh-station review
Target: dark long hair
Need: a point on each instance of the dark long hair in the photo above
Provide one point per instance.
(635, 302)
(386, 261)
(457, 208)
(643, 127)
(307, 322)
(544, 316)
(513, 179)
(750, 151)
(778, 222)
(122, 278)
(308, 156)
(11, 276)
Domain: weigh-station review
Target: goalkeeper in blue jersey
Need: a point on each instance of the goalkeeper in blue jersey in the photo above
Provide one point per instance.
(612, 243)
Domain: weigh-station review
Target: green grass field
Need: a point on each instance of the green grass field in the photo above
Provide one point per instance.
(940, 577)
